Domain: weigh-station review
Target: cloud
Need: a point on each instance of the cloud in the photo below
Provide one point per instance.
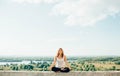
(35, 1)
(63, 40)
(81, 12)
(86, 12)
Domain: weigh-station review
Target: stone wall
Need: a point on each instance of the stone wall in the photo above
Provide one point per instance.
(50, 73)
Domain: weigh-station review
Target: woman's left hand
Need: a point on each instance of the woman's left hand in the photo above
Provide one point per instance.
(69, 68)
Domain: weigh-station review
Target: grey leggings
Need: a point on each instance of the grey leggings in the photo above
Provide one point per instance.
(55, 69)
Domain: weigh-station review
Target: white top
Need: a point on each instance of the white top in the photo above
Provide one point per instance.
(60, 62)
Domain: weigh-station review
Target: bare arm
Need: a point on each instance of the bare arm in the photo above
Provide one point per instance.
(66, 62)
(53, 63)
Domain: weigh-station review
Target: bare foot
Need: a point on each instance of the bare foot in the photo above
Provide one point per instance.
(62, 68)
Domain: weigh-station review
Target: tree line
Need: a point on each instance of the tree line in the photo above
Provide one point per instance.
(77, 64)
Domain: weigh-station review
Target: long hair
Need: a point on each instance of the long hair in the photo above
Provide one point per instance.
(60, 49)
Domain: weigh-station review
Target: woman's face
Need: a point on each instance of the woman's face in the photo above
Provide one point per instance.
(60, 52)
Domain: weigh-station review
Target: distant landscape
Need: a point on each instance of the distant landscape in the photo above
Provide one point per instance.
(78, 63)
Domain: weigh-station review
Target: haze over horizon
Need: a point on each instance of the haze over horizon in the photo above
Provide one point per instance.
(41, 27)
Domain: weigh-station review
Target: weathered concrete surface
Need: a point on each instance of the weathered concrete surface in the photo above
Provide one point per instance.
(49, 73)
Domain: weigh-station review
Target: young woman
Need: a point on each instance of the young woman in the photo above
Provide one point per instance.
(60, 63)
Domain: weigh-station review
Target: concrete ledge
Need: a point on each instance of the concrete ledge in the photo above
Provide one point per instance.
(50, 73)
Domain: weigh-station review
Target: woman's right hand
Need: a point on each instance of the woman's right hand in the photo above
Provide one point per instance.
(52, 65)
(50, 68)
(69, 68)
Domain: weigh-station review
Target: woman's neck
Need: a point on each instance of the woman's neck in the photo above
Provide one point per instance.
(60, 56)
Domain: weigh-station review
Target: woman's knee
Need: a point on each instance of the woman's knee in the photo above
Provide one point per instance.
(55, 69)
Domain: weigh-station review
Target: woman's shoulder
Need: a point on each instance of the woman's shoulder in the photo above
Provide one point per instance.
(55, 57)
(64, 56)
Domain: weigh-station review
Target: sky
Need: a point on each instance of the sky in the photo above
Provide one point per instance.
(41, 27)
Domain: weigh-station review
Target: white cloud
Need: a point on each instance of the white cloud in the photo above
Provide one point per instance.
(81, 12)
(59, 40)
(35, 1)
(86, 12)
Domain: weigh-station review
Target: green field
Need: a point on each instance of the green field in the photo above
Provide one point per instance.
(99, 63)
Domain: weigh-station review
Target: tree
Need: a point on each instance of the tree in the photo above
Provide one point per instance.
(117, 62)
(14, 67)
(113, 68)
